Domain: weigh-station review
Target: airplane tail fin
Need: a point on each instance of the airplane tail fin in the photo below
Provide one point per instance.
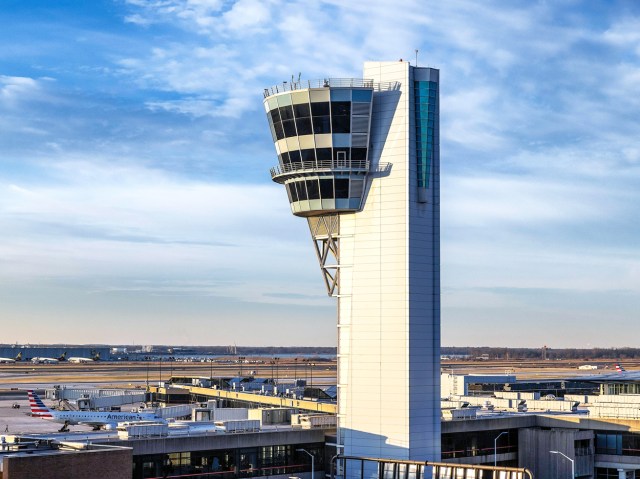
(620, 369)
(63, 356)
(19, 356)
(38, 409)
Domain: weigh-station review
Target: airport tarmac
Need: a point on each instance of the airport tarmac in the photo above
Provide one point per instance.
(19, 421)
(129, 374)
(16, 378)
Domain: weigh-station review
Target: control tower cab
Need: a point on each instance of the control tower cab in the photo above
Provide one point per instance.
(321, 132)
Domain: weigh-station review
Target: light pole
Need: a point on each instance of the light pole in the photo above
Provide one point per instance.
(313, 461)
(276, 360)
(241, 360)
(312, 365)
(495, 448)
(573, 464)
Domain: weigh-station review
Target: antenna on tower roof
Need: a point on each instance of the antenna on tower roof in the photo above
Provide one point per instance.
(416, 57)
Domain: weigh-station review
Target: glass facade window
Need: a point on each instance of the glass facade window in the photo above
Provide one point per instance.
(323, 154)
(230, 464)
(320, 108)
(313, 189)
(361, 109)
(425, 102)
(279, 131)
(342, 187)
(321, 124)
(358, 154)
(304, 126)
(289, 128)
(286, 112)
(360, 124)
(284, 158)
(294, 156)
(357, 187)
(302, 190)
(302, 110)
(293, 193)
(341, 116)
(308, 155)
(326, 189)
(607, 443)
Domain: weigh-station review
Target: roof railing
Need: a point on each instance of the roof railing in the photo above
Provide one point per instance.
(320, 165)
(330, 83)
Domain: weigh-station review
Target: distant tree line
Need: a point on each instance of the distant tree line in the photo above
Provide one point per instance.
(539, 353)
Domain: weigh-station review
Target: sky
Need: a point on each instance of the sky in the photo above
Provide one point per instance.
(136, 204)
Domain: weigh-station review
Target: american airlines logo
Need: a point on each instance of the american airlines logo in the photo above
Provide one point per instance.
(121, 416)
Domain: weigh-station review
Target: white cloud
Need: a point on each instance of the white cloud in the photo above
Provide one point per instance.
(131, 223)
(14, 89)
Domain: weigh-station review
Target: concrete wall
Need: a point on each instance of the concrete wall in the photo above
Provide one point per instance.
(105, 464)
(389, 305)
(536, 444)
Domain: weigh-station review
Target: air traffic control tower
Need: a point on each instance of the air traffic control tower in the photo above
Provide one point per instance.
(359, 159)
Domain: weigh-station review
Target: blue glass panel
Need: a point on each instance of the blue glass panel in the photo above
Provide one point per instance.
(341, 94)
(361, 95)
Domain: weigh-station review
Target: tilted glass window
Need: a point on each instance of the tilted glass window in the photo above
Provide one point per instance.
(358, 154)
(360, 124)
(313, 189)
(304, 126)
(321, 124)
(308, 155)
(284, 158)
(286, 112)
(294, 156)
(357, 187)
(326, 188)
(341, 116)
(342, 187)
(292, 191)
(302, 190)
(302, 110)
(279, 131)
(323, 154)
(289, 128)
(320, 108)
(361, 109)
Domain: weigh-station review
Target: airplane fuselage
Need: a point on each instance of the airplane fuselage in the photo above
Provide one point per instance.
(98, 418)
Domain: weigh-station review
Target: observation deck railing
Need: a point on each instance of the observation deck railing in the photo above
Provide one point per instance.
(330, 83)
(352, 467)
(291, 169)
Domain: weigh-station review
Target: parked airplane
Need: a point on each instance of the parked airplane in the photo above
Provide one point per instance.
(94, 357)
(106, 420)
(9, 360)
(39, 360)
(620, 369)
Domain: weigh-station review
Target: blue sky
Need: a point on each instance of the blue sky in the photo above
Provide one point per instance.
(136, 204)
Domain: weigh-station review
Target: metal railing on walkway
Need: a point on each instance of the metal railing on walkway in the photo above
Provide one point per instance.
(351, 165)
(352, 467)
(330, 83)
